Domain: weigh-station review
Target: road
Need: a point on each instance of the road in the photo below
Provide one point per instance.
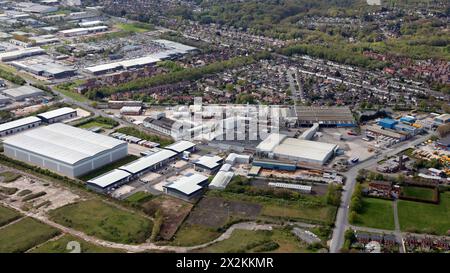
(341, 223)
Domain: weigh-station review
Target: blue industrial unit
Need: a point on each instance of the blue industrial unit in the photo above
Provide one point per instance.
(408, 119)
(407, 128)
(387, 123)
(275, 165)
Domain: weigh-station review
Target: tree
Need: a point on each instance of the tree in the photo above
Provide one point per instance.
(352, 217)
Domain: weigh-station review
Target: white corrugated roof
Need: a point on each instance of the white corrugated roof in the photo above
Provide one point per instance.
(148, 161)
(26, 90)
(63, 142)
(18, 123)
(268, 144)
(290, 186)
(57, 113)
(304, 149)
(180, 146)
(109, 178)
(188, 184)
(221, 180)
(208, 161)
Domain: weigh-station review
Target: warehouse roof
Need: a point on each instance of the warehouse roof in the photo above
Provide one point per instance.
(63, 142)
(221, 180)
(209, 161)
(18, 123)
(300, 148)
(147, 161)
(109, 178)
(324, 114)
(23, 91)
(21, 53)
(290, 186)
(268, 144)
(188, 184)
(180, 146)
(57, 113)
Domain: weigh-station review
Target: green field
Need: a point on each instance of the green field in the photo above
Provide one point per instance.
(418, 192)
(7, 215)
(23, 235)
(135, 27)
(67, 90)
(108, 167)
(60, 246)
(139, 197)
(189, 235)
(105, 221)
(9, 176)
(321, 214)
(93, 124)
(425, 218)
(242, 241)
(376, 213)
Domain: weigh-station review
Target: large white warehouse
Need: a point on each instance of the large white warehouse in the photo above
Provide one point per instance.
(65, 149)
(297, 150)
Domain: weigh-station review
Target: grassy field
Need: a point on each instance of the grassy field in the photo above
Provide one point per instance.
(242, 241)
(93, 124)
(105, 221)
(317, 214)
(376, 213)
(60, 246)
(24, 235)
(9, 176)
(7, 215)
(139, 197)
(418, 192)
(135, 27)
(67, 90)
(189, 235)
(423, 217)
(108, 167)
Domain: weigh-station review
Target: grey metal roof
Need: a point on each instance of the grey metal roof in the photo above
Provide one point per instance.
(63, 142)
(18, 123)
(57, 113)
(109, 178)
(180, 146)
(147, 161)
(188, 184)
(23, 91)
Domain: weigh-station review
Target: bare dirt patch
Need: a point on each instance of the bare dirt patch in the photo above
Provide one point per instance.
(215, 212)
(174, 212)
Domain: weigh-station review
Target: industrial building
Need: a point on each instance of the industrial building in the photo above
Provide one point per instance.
(309, 133)
(64, 149)
(187, 187)
(148, 163)
(163, 125)
(45, 67)
(272, 165)
(19, 125)
(109, 181)
(296, 150)
(117, 104)
(237, 158)
(131, 110)
(23, 92)
(442, 119)
(298, 187)
(20, 53)
(325, 116)
(83, 31)
(4, 99)
(181, 146)
(222, 178)
(379, 131)
(58, 115)
(208, 163)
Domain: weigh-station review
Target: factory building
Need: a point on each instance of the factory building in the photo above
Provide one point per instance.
(181, 146)
(271, 165)
(20, 53)
(296, 150)
(19, 125)
(188, 187)
(387, 123)
(48, 69)
(325, 116)
(309, 134)
(83, 31)
(379, 131)
(58, 115)
(237, 158)
(64, 149)
(163, 125)
(131, 110)
(442, 119)
(109, 181)
(117, 104)
(23, 92)
(148, 163)
(208, 164)
(222, 178)
(4, 100)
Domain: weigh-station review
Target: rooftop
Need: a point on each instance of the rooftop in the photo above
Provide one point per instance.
(57, 113)
(188, 184)
(26, 90)
(209, 161)
(180, 146)
(109, 178)
(62, 142)
(147, 161)
(18, 123)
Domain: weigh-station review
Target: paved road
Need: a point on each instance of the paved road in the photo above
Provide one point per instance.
(341, 223)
